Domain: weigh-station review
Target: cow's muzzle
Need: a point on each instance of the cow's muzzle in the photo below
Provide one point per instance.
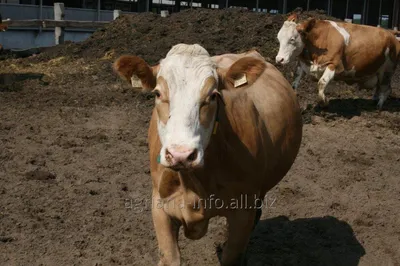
(281, 60)
(180, 157)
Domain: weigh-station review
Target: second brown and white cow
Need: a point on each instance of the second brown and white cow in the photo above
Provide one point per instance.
(334, 50)
(3, 27)
(224, 130)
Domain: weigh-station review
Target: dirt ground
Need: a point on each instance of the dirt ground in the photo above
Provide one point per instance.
(74, 172)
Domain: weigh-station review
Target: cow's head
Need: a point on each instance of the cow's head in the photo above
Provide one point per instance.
(291, 39)
(3, 27)
(186, 86)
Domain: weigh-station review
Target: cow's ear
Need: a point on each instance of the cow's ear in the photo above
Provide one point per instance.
(133, 68)
(292, 18)
(242, 73)
(306, 26)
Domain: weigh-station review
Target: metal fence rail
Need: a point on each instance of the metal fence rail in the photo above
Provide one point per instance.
(22, 12)
(38, 26)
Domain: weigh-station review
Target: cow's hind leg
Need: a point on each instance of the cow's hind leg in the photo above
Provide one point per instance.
(328, 75)
(376, 94)
(385, 89)
(241, 224)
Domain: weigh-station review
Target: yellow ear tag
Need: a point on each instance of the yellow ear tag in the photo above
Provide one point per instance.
(215, 127)
(241, 81)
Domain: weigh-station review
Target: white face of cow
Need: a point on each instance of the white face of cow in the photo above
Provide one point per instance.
(186, 87)
(186, 104)
(290, 43)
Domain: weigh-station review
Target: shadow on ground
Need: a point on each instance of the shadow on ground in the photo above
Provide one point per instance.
(349, 108)
(13, 82)
(312, 241)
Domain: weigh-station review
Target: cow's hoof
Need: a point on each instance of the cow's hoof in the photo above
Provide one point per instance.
(257, 218)
(242, 260)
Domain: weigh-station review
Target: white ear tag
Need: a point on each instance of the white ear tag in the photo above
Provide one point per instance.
(135, 81)
(240, 81)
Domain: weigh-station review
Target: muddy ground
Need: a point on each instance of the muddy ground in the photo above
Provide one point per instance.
(74, 173)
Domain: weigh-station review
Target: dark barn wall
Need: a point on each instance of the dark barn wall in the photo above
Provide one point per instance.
(339, 9)
(318, 4)
(292, 4)
(373, 13)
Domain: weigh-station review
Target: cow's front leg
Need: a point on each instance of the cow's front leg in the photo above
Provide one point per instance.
(328, 75)
(240, 224)
(299, 75)
(167, 235)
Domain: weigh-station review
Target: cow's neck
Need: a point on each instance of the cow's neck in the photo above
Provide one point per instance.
(305, 55)
(225, 154)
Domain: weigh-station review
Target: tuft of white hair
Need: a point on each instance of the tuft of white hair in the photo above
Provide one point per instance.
(188, 49)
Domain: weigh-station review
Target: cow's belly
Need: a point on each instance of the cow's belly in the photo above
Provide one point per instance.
(349, 76)
(370, 83)
(352, 77)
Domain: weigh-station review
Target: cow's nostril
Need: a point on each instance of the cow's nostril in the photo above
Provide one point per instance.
(168, 155)
(192, 156)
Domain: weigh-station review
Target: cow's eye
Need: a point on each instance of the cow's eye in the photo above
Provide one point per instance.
(157, 93)
(292, 40)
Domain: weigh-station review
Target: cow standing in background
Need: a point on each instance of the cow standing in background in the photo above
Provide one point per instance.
(223, 129)
(334, 50)
(3, 27)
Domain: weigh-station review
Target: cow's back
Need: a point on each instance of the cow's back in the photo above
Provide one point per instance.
(368, 48)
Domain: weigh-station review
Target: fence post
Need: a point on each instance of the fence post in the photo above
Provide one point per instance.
(59, 15)
(284, 9)
(98, 9)
(117, 13)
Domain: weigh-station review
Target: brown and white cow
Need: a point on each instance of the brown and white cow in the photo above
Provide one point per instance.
(334, 50)
(3, 27)
(223, 129)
